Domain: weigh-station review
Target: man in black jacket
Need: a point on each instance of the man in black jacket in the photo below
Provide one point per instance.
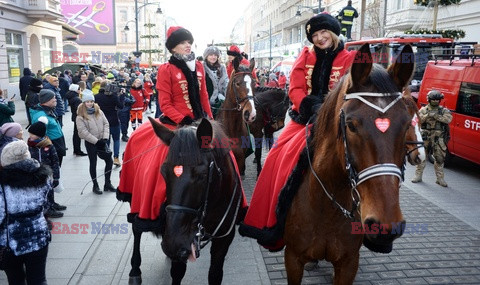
(108, 101)
(25, 82)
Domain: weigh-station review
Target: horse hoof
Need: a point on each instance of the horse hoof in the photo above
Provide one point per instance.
(135, 280)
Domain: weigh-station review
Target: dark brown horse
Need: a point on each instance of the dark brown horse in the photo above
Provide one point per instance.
(350, 190)
(204, 197)
(239, 110)
(271, 105)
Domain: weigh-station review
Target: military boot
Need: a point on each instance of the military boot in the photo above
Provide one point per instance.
(440, 175)
(419, 172)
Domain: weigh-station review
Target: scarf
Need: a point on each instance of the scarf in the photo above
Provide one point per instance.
(91, 111)
(322, 69)
(219, 78)
(193, 88)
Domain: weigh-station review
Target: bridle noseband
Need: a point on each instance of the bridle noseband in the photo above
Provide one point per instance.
(356, 178)
(239, 107)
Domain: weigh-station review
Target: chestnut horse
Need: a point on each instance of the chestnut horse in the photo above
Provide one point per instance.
(349, 192)
(203, 200)
(238, 110)
(272, 105)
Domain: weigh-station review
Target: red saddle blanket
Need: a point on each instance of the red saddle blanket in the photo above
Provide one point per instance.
(261, 219)
(140, 177)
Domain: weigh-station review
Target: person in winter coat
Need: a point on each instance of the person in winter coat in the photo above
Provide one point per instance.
(53, 84)
(141, 101)
(346, 16)
(148, 86)
(316, 71)
(124, 114)
(25, 184)
(31, 100)
(109, 103)
(94, 129)
(96, 85)
(24, 82)
(46, 107)
(272, 81)
(234, 52)
(74, 101)
(42, 149)
(7, 108)
(63, 85)
(182, 90)
(10, 132)
(216, 77)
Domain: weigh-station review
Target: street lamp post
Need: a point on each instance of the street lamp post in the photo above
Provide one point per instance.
(138, 53)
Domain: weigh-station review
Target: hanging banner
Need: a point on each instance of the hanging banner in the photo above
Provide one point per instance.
(95, 18)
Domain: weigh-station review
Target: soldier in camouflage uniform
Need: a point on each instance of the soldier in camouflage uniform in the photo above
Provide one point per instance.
(434, 121)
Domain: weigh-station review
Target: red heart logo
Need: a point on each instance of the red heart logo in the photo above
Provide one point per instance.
(382, 124)
(178, 170)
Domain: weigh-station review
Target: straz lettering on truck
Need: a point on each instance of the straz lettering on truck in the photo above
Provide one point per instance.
(469, 124)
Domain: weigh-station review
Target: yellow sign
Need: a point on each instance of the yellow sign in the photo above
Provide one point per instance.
(14, 72)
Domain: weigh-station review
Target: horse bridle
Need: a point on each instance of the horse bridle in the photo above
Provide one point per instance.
(200, 213)
(239, 100)
(356, 178)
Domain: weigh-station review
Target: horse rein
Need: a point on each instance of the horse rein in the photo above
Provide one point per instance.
(356, 178)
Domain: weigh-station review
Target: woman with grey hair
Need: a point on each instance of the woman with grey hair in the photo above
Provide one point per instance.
(216, 77)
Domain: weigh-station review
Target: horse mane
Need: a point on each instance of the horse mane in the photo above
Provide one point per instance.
(269, 94)
(184, 148)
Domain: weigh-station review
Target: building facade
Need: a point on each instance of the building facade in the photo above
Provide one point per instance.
(276, 28)
(29, 32)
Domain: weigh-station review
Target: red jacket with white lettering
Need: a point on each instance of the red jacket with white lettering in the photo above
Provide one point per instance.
(303, 68)
(172, 87)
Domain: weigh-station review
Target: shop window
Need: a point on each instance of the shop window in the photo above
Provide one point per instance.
(47, 48)
(14, 44)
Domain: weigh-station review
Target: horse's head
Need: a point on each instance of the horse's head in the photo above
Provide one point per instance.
(414, 140)
(188, 171)
(373, 121)
(240, 91)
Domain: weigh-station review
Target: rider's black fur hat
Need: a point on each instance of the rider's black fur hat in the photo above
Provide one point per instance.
(176, 35)
(320, 22)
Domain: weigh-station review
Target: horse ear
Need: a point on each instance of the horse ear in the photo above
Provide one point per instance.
(236, 63)
(362, 65)
(252, 64)
(161, 131)
(402, 68)
(204, 133)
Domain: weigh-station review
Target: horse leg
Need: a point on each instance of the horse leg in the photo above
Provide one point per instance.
(258, 159)
(177, 272)
(135, 273)
(218, 251)
(345, 270)
(294, 267)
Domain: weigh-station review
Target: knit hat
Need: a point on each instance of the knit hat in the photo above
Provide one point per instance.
(320, 22)
(45, 95)
(87, 95)
(39, 128)
(10, 129)
(110, 76)
(73, 87)
(233, 51)
(176, 35)
(211, 50)
(14, 152)
(35, 82)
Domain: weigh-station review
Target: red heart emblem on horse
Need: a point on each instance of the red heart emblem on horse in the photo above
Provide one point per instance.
(382, 124)
(178, 170)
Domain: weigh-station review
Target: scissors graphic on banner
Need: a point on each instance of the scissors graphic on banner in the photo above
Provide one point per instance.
(79, 20)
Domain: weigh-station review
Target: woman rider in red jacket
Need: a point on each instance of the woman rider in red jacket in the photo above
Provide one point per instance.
(315, 72)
